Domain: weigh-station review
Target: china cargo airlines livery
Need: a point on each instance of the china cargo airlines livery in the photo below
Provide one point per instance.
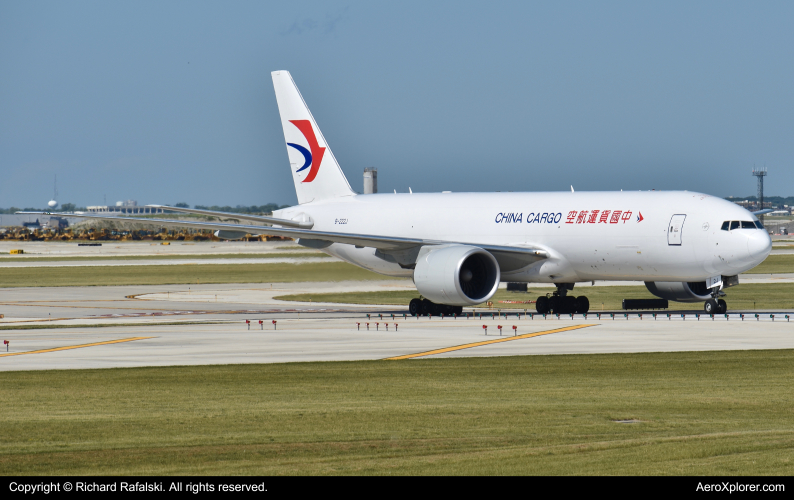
(458, 247)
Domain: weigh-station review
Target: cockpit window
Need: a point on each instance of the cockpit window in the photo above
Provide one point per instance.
(730, 225)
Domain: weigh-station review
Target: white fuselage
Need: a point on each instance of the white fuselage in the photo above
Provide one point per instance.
(645, 236)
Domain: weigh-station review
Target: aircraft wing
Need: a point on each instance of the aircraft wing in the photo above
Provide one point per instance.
(762, 212)
(227, 215)
(510, 257)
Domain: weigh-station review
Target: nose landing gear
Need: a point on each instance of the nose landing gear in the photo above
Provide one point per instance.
(715, 306)
(562, 303)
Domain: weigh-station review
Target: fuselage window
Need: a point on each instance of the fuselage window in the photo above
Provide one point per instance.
(748, 224)
(734, 224)
(758, 224)
(725, 225)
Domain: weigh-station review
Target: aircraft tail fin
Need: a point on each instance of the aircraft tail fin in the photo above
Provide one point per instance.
(315, 171)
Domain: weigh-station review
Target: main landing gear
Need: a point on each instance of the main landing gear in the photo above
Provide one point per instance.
(562, 303)
(423, 307)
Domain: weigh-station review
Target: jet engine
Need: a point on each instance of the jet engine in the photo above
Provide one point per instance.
(679, 291)
(456, 275)
(230, 235)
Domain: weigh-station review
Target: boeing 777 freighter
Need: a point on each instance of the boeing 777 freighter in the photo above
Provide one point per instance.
(458, 247)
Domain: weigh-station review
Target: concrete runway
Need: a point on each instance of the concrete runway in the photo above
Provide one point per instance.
(335, 337)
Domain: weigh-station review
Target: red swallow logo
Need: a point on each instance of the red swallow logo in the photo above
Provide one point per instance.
(314, 157)
(640, 218)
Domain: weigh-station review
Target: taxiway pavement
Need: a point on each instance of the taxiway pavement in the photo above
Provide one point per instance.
(344, 336)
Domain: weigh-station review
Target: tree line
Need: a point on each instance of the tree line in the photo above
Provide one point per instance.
(777, 201)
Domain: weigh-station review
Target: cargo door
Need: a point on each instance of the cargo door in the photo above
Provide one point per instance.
(674, 229)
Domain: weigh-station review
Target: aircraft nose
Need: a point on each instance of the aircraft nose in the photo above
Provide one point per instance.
(759, 244)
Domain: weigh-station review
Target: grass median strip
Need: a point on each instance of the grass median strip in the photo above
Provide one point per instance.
(197, 273)
(690, 413)
(775, 264)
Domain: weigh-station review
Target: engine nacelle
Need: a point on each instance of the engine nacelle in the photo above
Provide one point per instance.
(230, 235)
(679, 291)
(456, 275)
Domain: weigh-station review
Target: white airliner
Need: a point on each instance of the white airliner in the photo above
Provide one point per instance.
(458, 247)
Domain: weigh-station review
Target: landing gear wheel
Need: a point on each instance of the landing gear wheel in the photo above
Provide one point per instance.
(569, 305)
(458, 310)
(542, 305)
(711, 306)
(415, 307)
(554, 304)
(582, 305)
(722, 306)
(427, 307)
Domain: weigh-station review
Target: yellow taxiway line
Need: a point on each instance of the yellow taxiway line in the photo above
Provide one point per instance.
(74, 346)
(486, 342)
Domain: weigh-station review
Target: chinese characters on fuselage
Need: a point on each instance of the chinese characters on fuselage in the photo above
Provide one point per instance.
(573, 217)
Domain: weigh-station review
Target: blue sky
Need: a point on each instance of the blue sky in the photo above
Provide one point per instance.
(172, 101)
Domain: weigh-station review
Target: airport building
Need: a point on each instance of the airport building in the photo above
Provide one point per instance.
(370, 180)
(123, 207)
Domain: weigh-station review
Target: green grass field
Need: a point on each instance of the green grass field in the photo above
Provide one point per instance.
(183, 274)
(741, 297)
(776, 264)
(694, 413)
(280, 255)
